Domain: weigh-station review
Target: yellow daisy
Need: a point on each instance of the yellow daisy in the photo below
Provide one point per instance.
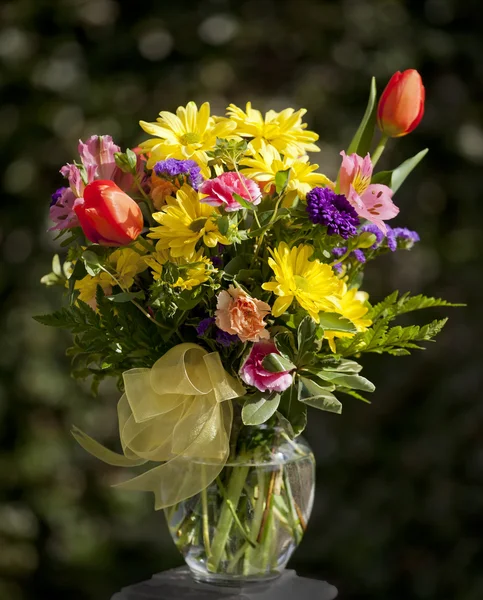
(126, 263)
(194, 270)
(183, 222)
(284, 130)
(312, 283)
(189, 133)
(266, 163)
(352, 306)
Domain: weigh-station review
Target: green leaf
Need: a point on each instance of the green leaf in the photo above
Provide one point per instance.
(259, 407)
(394, 179)
(361, 142)
(345, 366)
(236, 264)
(223, 224)
(383, 177)
(126, 296)
(281, 180)
(92, 262)
(400, 174)
(306, 336)
(354, 382)
(285, 343)
(132, 160)
(335, 322)
(243, 202)
(314, 395)
(276, 363)
(294, 411)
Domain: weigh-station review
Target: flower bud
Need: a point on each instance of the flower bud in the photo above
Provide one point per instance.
(401, 106)
(107, 215)
(366, 240)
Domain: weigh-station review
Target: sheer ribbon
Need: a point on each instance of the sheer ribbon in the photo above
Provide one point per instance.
(179, 413)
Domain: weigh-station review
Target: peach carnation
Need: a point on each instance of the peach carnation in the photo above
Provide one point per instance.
(239, 314)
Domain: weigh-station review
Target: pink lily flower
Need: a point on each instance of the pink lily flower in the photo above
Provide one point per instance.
(372, 201)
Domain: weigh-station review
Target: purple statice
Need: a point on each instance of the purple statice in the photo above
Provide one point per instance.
(405, 237)
(337, 268)
(172, 167)
(226, 339)
(370, 228)
(338, 252)
(391, 239)
(57, 195)
(332, 210)
(359, 255)
(204, 325)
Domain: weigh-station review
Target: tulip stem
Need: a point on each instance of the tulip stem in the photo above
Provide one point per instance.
(376, 155)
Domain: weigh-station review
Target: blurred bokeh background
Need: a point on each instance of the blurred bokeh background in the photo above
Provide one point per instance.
(399, 504)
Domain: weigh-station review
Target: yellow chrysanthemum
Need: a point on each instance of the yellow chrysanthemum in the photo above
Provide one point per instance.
(312, 283)
(284, 130)
(266, 163)
(126, 263)
(189, 133)
(194, 270)
(183, 222)
(352, 306)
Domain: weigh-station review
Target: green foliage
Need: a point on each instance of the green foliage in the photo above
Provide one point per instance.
(361, 142)
(394, 179)
(259, 407)
(394, 305)
(281, 181)
(394, 340)
(126, 161)
(109, 341)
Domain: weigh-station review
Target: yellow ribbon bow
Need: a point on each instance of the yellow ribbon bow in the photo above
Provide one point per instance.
(179, 413)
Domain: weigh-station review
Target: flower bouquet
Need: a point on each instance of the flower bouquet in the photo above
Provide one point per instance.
(216, 273)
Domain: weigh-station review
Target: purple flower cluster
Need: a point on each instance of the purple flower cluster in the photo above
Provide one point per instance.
(402, 234)
(172, 167)
(204, 325)
(332, 210)
(221, 337)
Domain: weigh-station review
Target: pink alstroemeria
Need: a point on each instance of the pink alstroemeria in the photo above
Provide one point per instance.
(372, 201)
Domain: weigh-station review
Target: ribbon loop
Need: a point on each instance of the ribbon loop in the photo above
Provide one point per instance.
(178, 413)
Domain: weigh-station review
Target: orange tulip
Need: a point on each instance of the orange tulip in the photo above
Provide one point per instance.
(107, 215)
(401, 106)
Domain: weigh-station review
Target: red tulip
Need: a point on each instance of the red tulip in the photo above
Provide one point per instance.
(401, 106)
(107, 215)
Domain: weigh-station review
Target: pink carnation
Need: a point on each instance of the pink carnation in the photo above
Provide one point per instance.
(253, 373)
(239, 314)
(221, 189)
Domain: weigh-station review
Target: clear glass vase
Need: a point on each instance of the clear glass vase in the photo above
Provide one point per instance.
(246, 524)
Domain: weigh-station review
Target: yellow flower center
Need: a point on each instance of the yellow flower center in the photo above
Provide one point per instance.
(198, 224)
(360, 183)
(301, 283)
(190, 138)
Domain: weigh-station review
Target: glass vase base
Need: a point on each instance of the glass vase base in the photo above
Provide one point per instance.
(233, 581)
(179, 584)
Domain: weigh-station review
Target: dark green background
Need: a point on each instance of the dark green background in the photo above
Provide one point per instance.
(399, 501)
